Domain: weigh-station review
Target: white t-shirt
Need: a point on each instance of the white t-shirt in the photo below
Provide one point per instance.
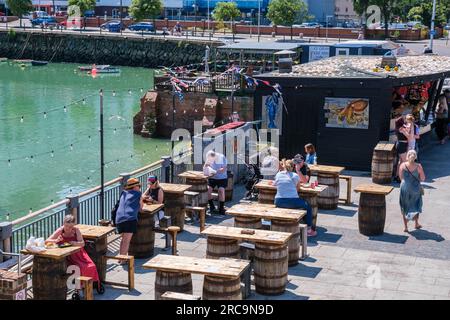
(286, 183)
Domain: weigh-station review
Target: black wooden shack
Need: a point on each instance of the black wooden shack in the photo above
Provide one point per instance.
(318, 95)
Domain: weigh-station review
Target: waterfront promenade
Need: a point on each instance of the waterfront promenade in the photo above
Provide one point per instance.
(343, 264)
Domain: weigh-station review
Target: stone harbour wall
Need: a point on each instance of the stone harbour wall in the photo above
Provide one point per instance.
(209, 108)
(114, 50)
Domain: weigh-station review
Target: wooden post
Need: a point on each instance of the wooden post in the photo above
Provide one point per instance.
(125, 177)
(165, 170)
(131, 274)
(202, 217)
(5, 239)
(72, 206)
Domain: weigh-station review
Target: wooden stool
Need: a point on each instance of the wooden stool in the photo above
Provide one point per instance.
(201, 211)
(347, 200)
(170, 295)
(87, 284)
(130, 263)
(173, 230)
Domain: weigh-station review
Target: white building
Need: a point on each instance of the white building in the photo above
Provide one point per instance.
(345, 11)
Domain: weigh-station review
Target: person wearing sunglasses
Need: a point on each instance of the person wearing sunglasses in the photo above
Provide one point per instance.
(154, 194)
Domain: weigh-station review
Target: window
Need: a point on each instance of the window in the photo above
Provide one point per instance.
(342, 51)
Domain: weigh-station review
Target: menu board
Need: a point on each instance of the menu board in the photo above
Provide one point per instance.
(318, 53)
(350, 113)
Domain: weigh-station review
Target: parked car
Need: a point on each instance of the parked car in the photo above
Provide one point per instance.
(113, 26)
(45, 22)
(89, 13)
(447, 27)
(142, 26)
(61, 13)
(38, 14)
(2, 14)
(308, 25)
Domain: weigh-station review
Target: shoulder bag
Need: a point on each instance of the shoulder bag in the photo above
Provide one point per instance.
(422, 190)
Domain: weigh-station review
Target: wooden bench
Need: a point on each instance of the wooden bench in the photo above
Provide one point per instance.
(130, 263)
(222, 277)
(347, 200)
(87, 284)
(170, 295)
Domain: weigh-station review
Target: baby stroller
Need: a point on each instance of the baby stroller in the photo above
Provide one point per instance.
(252, 177)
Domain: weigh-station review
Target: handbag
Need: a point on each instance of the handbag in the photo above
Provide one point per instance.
(422, 190)
(114, 210)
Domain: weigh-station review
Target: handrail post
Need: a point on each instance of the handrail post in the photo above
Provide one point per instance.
(72, 206)
(5, 239)
(165, 169)
(125, 176)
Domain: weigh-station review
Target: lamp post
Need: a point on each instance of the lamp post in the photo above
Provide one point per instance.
(120, 16)
(195, 18)
(102, 162)
(208, 17)
(433, 17)
(259, 19)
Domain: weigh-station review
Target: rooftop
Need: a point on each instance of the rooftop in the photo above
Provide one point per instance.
(364, 67)
(261, 47)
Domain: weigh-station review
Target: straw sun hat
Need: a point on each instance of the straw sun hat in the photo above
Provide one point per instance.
(131, 183)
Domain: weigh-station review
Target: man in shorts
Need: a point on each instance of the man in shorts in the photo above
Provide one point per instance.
(216, 165)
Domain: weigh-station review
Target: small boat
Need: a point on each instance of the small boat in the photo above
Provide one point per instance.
(108, 70)
(23, 61)
(37, 63)
(89, 68)
(3, 59)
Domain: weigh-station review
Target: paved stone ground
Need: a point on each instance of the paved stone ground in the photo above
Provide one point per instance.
(342, 262)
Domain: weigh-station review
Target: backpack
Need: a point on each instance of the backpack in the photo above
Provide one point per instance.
(114, 210)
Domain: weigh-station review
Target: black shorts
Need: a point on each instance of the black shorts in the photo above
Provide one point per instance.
(402, 147)
(219, 183)
(127, 227)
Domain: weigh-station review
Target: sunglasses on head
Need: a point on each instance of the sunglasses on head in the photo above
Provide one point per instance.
(152, 180)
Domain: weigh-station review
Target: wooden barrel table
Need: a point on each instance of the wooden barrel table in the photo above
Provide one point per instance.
(270, 268)
(49, 279)
(215, 288)
(142, 243)
(174, 207)
(267, 196)
(372, 208)
(328, 199)
(172, 281)
(371, 214)
(97, 249)
(383, 163)
(294, 242)
(247, 222)
(221, 247)
(200, 186)
(311, 198)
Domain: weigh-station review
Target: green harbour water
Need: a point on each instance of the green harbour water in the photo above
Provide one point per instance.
(35, 176)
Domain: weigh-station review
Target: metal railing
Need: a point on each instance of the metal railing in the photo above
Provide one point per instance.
(85, 206)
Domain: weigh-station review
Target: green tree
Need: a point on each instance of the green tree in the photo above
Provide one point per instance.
(226, 11)
(19, 7)
(423, 13)
(84, 5)
(285, 12)
(143, 9)
(361, 9)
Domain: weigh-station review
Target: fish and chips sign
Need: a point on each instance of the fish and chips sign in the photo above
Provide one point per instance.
(349, 113)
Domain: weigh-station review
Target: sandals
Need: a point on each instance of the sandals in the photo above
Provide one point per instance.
(418, 227)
